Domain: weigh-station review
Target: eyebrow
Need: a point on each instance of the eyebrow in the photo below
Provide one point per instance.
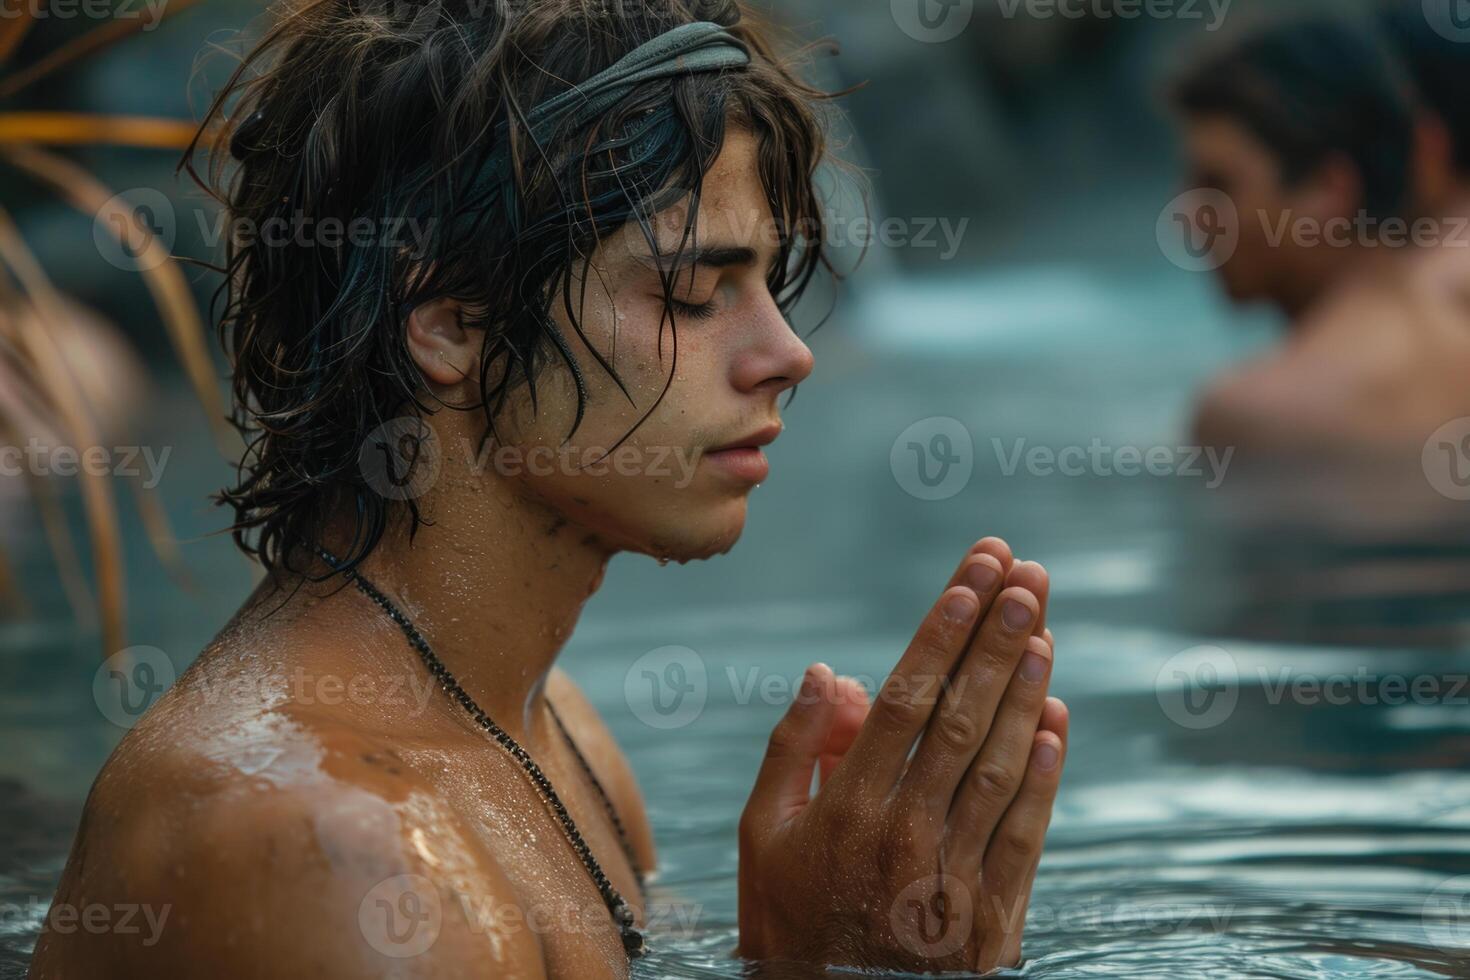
(713, 256)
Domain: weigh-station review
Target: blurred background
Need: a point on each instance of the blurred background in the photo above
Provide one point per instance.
(1215, 820)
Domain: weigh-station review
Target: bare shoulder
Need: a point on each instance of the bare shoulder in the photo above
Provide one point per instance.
(1240, 406)
(1278, 405)
(607, 760)
(287, 854)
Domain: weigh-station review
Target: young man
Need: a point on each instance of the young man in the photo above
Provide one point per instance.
(1310, 128)
(450, 441)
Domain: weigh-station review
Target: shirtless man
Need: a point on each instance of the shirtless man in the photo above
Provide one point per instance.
(1313, 131)
(277, 825)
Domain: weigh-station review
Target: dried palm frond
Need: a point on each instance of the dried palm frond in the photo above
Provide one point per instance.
(41, 394)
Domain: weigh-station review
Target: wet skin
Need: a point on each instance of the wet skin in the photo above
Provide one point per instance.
(1379, 338)
(263, 826)
(1367, 374)
(276, 797)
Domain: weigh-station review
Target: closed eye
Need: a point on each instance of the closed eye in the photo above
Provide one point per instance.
(704, 311)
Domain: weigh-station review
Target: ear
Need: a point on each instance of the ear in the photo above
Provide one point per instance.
(1434, 163)
(445, 351)
(1336, 189)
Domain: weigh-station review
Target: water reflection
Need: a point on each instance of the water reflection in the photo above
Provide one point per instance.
(1300, 833)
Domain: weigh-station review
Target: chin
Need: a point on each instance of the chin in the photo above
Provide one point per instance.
(693, 536)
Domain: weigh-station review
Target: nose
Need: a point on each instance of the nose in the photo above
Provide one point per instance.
(773, 358)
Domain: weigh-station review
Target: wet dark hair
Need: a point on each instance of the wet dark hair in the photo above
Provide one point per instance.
(383, 110)
(1440, 67)
(1309, 89)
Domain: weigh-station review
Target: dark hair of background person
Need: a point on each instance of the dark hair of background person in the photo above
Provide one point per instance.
(1440, 67)
(1311, 88)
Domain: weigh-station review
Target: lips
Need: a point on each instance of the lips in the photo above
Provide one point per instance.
(761, 437)
(742, 459)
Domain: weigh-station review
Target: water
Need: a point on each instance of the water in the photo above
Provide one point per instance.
(1300, 817)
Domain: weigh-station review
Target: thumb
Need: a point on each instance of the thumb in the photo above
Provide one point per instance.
(783, 786)
(848, 715)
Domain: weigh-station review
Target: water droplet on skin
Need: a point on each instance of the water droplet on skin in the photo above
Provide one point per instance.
(663, 561)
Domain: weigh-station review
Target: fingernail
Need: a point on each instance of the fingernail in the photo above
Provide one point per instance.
(1033, 667)
(981, 577)
(960, 607)
(1045, 757)
(1016, 615)
(809, 683)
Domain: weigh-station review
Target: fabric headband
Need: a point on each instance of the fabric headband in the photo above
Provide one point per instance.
(702, 46)
(687, 49)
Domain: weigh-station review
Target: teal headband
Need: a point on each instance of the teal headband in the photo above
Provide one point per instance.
(685, 50)
(690, 48)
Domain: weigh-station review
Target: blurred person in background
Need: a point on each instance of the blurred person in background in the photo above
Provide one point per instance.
(1311, 129)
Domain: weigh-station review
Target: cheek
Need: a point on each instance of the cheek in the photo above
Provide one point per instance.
(676, 366)
(624, 333)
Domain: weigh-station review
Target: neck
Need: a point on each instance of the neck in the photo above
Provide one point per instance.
(1345, 272)
(495, 584)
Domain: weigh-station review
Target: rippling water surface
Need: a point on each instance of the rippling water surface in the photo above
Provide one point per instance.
(1256, 787)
